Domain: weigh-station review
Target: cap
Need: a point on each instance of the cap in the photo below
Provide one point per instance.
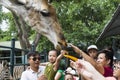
(69, 69)
(72, 72)
(92, 47)
(114, 58)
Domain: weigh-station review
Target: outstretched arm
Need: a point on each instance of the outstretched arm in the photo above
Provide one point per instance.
(85, 69)
(56, 64)
(88, 58)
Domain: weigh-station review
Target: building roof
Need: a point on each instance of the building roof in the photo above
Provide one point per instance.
(113, 27)
(8, 44)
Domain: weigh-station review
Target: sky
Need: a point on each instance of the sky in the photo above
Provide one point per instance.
(4, 25)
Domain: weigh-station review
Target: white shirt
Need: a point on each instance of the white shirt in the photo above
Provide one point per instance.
(29, 74)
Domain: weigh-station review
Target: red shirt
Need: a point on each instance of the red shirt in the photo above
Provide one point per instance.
(108, 71)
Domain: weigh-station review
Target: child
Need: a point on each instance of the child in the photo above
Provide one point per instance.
(53, 64)
(68, 76)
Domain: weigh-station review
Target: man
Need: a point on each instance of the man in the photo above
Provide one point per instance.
(92, 51)
(34, 71)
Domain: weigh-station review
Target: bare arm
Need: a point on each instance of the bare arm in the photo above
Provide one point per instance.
(56, 64)
(88, 58)
(87, 70)
(57, 76)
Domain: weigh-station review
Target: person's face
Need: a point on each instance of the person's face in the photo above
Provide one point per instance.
(34, 61)
(92, 53)
(116, 72)
(52, 56)
(68, 77)
(102, 59)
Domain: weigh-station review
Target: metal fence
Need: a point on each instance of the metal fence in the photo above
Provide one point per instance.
(13, 70)
(8, 70)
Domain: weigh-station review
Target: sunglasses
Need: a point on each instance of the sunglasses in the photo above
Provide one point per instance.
(35, 58)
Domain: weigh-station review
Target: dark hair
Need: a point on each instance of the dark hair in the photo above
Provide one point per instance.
(55, 51)
(108, 55)
(35, 53)
(68, 74)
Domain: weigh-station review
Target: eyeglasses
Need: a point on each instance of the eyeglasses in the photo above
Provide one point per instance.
(116, 67)
(35, 58)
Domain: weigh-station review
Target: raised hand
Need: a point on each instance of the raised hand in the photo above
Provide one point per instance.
(42, 77)
(87, 70)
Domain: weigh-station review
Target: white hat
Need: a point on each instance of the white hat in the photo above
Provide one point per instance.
(114, 58)
(69, 69)
(92, 47)
(72, 72)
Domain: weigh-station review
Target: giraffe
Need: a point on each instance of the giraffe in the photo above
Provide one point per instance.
(41, 16)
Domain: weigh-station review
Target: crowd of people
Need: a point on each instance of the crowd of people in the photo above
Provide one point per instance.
(94, 65)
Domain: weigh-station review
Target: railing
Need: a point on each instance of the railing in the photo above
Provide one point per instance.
(14, 70)
(12, 57)
(17, 71)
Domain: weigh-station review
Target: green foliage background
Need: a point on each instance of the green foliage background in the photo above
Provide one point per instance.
(82, 21)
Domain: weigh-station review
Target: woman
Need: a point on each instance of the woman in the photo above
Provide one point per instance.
(105, 58)
(99, 64)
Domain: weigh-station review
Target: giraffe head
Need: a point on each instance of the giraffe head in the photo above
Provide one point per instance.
(48, 26)
(41, 16)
